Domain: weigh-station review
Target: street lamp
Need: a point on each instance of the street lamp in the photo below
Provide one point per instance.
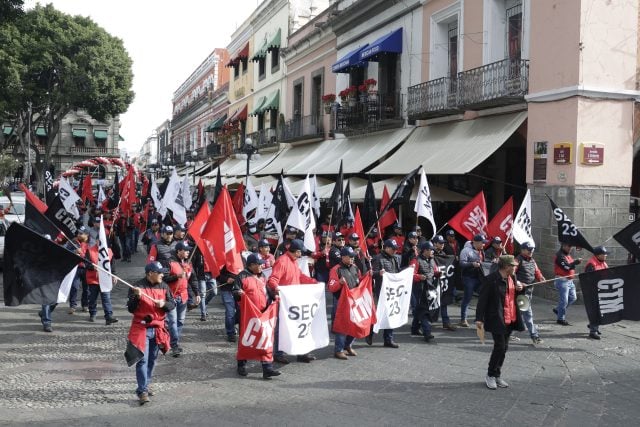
(249, 149)
(194, 157)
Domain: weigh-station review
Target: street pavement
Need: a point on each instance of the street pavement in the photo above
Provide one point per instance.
(77, 375)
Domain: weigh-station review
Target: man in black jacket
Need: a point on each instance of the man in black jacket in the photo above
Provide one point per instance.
(387, 262)
(497, 312)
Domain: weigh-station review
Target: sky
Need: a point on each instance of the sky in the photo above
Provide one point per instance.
(166, 40)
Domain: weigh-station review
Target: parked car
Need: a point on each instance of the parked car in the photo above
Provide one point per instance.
(16, 214)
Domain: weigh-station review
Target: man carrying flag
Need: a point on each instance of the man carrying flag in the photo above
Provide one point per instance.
(564, 267)
(597, 262)
(387, 262)
(98, 281)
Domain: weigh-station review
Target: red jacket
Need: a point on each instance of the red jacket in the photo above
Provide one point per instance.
(595, 264)
(286, 272)
(254, 288)
(564, 265)
(179, 285)
(334, 284)
(92, 273)
(270, 260)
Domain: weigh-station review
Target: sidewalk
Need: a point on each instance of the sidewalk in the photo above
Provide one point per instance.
(77, 375)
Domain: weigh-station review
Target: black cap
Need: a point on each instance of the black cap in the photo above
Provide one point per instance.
(451, 233)
(427, 245)
(417, 228)
(255, 259)
(154, 221)
(155, 267)
(296, 245)
(600, 250)
(391, 243)
(337, 235)
(262, 243)
(82, 230)
(397, 225)
(182, 246)
(347, 251)
(167, 229)
(438, 239)
(292, 230)
(354, 236)
(479, 238)
(178, 227)
(412, 235)
(528, 246)
(496, 239)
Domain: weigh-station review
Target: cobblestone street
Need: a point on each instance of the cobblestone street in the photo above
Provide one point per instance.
(78, 375)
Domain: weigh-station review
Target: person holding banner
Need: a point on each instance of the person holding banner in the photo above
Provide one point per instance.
(424, 278)
(564, 267)
(528, 272)
(321, 258)
(597, 262)
(93, 283)
(252, 284)
(497, 312)
(287, 272)
(344, 274)
(387, 262)
(439, 245)
(471, 259)
(80, 246)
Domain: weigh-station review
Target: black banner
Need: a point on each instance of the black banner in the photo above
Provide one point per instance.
(369, 211)
(61, 218)
(612, 294)
(50, 192)
(629, 238)
(33, 267)
(447, 268)
(335, 201)
(567, 231)
(38, 222)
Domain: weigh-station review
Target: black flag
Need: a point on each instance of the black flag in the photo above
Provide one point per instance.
(37, 221)
(629, 238)
(402, 191)
(61, 218)
(114, 199)
(369, 208)
(347, 212)
(279, 201)
(612, 294)
(447, 270)
(33, 267)
(218, 187)
(50, 192)
(335, 201)
(567, 231)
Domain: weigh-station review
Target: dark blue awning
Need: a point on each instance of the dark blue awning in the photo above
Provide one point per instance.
(352, 59)
(391, 43)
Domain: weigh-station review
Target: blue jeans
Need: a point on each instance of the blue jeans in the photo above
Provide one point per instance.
(136, 237)
(566, 295)
(207, 290)
(175, 321)
(471, 284)
(94, 290)
(144, 367)
(342, 342)
(229, 312)
(45, 314)
(444, 313)
(527, 318)
(130, 243)
(78, 282)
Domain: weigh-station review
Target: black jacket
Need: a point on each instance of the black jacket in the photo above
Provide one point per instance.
(490, 308)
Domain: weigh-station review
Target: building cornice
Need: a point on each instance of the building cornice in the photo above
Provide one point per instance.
(583, 91)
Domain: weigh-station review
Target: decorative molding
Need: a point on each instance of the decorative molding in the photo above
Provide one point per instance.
(584, 91)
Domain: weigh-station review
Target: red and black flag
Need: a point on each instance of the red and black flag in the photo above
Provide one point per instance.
(61, 218)
(34, 267)
(567, 231)
(401, 193)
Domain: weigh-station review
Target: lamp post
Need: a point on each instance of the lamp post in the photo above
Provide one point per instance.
(249, 149)
(194, 157)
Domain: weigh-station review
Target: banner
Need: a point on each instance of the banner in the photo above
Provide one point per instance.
(356, 311)
(393, 303)
(472, 218)
(49, 191)
(65, 286)
(303, 319)
(423, 206)
(256, 331)
(522, 222)
(61, 218)
(501, 225)
(301, 216)
(447, 267)
(104, 277)
(629, 238)
(155, 193)
(68, 197)
(612, 294)
(567, 231)
(250, 201)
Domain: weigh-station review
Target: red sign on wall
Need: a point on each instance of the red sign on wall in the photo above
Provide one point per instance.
(592, 154)
(562, 154)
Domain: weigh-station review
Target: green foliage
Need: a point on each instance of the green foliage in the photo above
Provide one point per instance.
(8, 166)
(10, 10)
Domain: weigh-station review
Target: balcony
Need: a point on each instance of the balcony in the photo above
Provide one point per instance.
(264, 138)
(300, 128)
(92, 151)
(368, 114)
(497, 84)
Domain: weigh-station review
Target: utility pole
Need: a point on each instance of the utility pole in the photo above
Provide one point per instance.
(29, 146)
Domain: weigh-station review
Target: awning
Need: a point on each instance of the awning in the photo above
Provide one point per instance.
(8, 130)
(261, 53)
(438, 194)
(216, 124)
(452, 148)
(243, 53)
(239, 115)
(291, 156)
(79, 133)
(41, 131)
(275, 41)
(258, 106)
(358, 153)
(390, 43)
(272, 102)
(352, 59)
(100, 134)
(255, 165)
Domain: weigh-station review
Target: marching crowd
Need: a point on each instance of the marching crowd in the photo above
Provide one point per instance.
(177, 279)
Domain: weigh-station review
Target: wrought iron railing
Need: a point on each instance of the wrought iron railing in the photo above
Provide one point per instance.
(504, 79)
(93, 151)
(264, 138)
(301, 128)
(367, 113)
(432, 96)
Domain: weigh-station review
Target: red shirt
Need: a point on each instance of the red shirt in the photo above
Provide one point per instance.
(286, 272)
(179, 287)
(509, 302)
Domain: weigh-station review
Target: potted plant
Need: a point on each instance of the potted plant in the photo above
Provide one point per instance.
(328, 101)
(371, 84)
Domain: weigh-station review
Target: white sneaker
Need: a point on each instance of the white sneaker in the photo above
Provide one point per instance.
(491, 382)
(501, 383)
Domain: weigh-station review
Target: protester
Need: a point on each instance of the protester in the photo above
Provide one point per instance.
(338, 242)
(251, 283)
(344, 274)
(387, 262)
(152, 235)
(597, 262)
(424, 276)
(79, 245)
(206, 283)
(527, 273)
(226, 280)
(497, 312)
(361, 260)
(471, 257)
(321, 258)
(162, 250)
(264, 251)
(564, 267)
(93, 283)
(149, 301)
(439, 245)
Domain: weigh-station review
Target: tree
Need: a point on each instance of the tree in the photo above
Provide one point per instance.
(10, 10)
(56, 63)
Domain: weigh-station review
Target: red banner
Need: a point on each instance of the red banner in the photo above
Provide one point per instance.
(359, 230)
(356, 311)
(206, 248)
(472, 219)
(390, 216)
(256, 331)
(238, 203)
(501, 225)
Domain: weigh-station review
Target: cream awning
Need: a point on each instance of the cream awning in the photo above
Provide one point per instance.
(289, 157)
(451, 148)
(358, 153)
(438, 194)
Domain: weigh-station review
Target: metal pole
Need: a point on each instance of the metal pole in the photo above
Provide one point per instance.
(246, 179)
(29, 146)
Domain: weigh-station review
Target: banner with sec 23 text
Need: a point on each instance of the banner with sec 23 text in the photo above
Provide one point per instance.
(303, 319)
(394, 300)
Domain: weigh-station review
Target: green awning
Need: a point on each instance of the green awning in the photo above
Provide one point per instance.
(275, 42)
(216, 124)
(273, 102)
(261, 53)
(258, 106)
(120, 138)
(79, 133)
(8, 130)
(41, 131)
(100, 134)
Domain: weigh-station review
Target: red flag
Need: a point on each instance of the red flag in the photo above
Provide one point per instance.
(359, 230)
(390, 216)
(238, 203)
(501, 224)
(87, 192)
(206, 248)
(128, 195)
(145, 217)
(223, 231)
(356, 310)
(472, 218)
(145, 186)
(33, 199)
(256, 331)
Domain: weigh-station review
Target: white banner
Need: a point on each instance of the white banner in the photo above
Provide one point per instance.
(394, 300)
(104, 277)
(303, 319)
(69, 197)
(522, 223)
(65, 286)
(303, 263)
(423, 206)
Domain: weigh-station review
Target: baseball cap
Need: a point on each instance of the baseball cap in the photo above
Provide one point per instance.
(155, 267)
(451, 233)
(291, 230)
(396, 225)
(354, 236)
(438, 239)
(254, 259)
(479, 238)
(496, 239)
(296, 245)
(417, 228)
(337, 235)
(412, 235)
(347, 251)
(600, 250)
(182, 246)
(178, 227)
(527, 246)
(426, 245)
(262, 243)
(391, 243)
(82, 230)
(154, 221)
(505, 260)
(167, 229)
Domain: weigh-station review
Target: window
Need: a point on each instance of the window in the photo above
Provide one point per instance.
(273, 118)
(298, 97)
(236, 70)
(316, 97)
(262, 68)
(245, 65)
(261, 122)
(446, 46)
(514, 32)
(356, 76)
(275, 59)
(452, 46)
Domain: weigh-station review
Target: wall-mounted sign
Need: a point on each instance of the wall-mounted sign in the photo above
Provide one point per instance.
(592, 154)
(562, 153)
